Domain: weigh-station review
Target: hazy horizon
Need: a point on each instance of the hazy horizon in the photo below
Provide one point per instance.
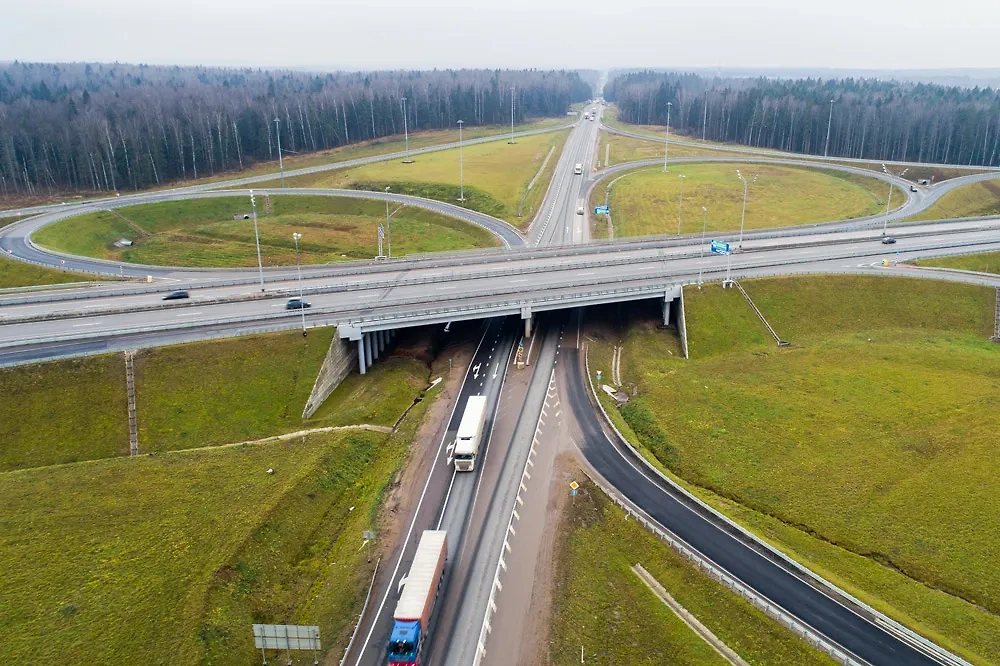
(304, 34)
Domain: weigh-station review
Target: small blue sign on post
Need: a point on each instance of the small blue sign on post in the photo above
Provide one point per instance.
(601, 210)
(718, 247)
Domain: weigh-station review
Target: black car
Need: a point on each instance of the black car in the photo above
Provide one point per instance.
(297, 304)
(175, 295)
(888, 240)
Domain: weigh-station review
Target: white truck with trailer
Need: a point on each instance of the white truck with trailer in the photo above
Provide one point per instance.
(470, 433)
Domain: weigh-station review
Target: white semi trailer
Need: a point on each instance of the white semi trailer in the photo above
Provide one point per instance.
(470, 433)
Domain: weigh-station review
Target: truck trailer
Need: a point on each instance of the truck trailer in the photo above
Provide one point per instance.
(416, 603)
(470, 433)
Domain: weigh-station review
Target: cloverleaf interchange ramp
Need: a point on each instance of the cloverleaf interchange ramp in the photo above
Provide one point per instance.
(482, 285)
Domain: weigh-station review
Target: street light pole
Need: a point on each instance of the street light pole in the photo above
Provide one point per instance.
(406, 136)
(885, 220)
(829, 124)
(256, 235)
(512, 90)
(743, 216)
(666, 142)
(298, 267)
(388, 229)
(281, 165)
(680, 204)
(461, 174)
(704, 224)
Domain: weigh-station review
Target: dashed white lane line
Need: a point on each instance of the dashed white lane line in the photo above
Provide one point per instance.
(189, 314)
(93, 323)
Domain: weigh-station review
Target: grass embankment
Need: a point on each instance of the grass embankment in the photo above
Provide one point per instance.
(600, 604)
(645, 201)
(379, 397)
(867, 450)
(620, 149)
(63, 411)
(19, 274)
(985, 262)
(173, 557)
(972, 200)
(202, 232)
(496, 174)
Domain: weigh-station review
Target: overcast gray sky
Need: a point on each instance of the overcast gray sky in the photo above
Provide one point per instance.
(376, 34)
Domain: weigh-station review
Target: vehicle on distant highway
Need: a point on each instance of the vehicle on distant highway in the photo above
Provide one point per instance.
(175, 295)
(888, 240)
(578, 169)
(470, 432)
(297, 304)
(579, 210)
(416, 603)
(913, 188)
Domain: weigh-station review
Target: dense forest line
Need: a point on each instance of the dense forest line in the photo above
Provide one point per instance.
(110, 127)
(869, 118)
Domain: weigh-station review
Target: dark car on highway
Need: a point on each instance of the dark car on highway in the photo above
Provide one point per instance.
(175, 295)
(297, 304)
(888, 240)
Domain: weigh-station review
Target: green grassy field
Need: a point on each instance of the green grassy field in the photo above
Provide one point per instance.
(628, 149)
(972, 200)
(985, 262)
(173, 556)
(496, 174)
(19, 274)
(865, 450)
(219, 392)
(202, 232)
(63, 411)
(377, 398)
(645, 201)
(600, 604)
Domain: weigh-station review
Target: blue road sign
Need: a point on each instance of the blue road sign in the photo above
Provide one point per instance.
(601, 210)
(718, 247)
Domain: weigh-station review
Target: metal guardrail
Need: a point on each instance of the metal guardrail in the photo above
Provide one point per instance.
(890, 626)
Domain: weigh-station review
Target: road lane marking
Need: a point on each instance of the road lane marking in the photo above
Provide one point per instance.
(94, 323)
(189, 314)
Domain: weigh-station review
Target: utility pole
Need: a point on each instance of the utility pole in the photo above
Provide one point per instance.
(743, 216)
(298, 267)
(281, 165)
(829, 124)
(406, 136)
(885, 220)
(666, 142)
(680, 204)
(260, 265)
(512, 90)
(461, 174)
(704, 223)
(388, 229)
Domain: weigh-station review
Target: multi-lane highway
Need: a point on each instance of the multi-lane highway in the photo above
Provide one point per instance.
(477, 508)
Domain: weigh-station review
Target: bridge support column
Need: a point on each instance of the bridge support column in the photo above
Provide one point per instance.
(368, 348)
(381, 336)
(526, 316)
(361, 355)
(375, 345)
(667, 305)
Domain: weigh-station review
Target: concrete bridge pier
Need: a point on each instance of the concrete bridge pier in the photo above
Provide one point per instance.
(382, 339)
(368, 348)
(526, 316)
(361, 355)
(376, 347)
(667, 306)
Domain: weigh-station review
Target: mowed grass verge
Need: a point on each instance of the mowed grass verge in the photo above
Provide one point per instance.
(645, 201)
(866, 450)
(601, 605)
(19, 274)
(971, 200)
(984, 262)
(496, 174)
(203, 232)
(63, 412)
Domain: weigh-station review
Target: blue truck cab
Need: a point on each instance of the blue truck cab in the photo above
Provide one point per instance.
(404, 642)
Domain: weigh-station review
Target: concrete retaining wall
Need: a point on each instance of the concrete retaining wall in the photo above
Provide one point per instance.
(340, 360)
